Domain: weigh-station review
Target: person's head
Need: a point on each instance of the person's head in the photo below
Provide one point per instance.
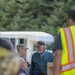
(21, 49)
(71, 17)
(40, 46)
(8, 58)
(22, 63)
(5, 43)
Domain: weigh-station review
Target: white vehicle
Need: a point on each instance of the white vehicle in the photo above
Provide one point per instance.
(28, 38)
(49, 51)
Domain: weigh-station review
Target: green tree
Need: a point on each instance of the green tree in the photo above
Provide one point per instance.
(34, 15)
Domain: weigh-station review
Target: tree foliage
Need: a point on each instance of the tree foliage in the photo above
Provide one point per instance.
(34, 15)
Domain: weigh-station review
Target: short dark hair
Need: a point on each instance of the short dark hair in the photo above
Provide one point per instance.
(5, 43)
(71, 14)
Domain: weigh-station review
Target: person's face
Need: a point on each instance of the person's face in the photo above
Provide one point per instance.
(40, 49)
(23, 51)
(23, 64)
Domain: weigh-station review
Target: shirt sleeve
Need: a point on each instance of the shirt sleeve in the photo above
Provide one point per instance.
(51, 57)
(57, 44)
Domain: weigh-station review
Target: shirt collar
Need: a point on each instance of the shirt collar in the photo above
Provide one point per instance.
(43, 53)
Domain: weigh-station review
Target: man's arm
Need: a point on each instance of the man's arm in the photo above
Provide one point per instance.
(57, 62)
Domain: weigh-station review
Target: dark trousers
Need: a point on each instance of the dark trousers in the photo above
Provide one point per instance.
(40, 74)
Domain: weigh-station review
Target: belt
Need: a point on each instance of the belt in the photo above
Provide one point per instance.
(40, 74)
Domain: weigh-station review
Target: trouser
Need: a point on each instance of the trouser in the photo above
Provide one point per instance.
(40, 74)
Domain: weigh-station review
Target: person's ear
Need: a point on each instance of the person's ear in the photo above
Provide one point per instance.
(70, 22)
